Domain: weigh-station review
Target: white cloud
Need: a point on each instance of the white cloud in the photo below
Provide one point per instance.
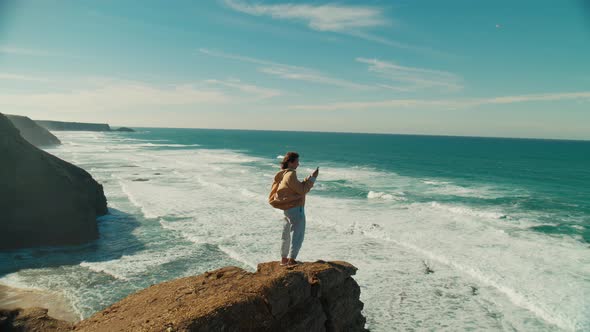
(350, 20)
(287, 71)
(389, 42)
(538, 97)
(393, 103)
(25, 51)
(309, 75)
(19, 77)
(411, 78)
(252, 91)
(237, 57)
(445, 103)
(329, 17)
(123, 95)
(113, 96)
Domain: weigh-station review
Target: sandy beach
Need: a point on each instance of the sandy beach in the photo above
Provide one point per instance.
(58, 306)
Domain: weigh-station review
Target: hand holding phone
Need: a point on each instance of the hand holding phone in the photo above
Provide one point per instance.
(316, 172)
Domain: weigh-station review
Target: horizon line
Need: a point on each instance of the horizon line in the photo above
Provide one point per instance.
(330, 132)
(367, 133)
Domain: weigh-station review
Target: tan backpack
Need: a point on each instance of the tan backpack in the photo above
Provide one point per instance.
(273, 197)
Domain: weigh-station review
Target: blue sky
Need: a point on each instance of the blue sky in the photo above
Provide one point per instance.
(480, 68)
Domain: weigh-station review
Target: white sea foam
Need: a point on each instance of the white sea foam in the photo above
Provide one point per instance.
(132, 266)
(251, 194)
(103, 268)
(455, 190)
(159, 200)
(514, 296)
(385, 196)
(463, 210)
(482, 250)
(16, 281)
(373, 194)
(167, 145)
(435, 182)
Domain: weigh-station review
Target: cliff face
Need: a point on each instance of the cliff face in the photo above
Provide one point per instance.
(320, 296)
(43, 199)
(59, 125)
(32, 132)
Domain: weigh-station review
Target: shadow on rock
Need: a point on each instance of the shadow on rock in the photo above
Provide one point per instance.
(116, 239)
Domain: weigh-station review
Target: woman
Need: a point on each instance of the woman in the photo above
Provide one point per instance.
(288, 194)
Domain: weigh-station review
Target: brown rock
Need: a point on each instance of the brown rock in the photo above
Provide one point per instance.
(31, 319)
(320, 296)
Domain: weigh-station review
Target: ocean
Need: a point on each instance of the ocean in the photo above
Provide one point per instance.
(448, 233)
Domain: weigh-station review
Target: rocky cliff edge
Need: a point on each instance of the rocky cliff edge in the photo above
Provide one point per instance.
(32, 132)
(319, 296)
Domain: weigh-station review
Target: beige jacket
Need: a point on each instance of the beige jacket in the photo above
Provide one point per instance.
(287, 192)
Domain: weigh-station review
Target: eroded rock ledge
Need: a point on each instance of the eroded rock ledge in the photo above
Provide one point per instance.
(319, 296)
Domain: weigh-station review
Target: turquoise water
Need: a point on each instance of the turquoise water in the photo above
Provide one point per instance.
(548, 177)
(504, 223)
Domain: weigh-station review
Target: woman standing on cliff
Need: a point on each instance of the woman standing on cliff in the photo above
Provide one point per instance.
(288, 194)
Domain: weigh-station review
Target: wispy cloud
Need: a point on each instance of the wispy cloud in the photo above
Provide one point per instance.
(345, 19)
(537, 97)
(287, 71)
(124, 95)
(25, 51)
(114, 96)
(253, 91)
(240, 58)
(310, 75)
(445, 103)
(412, 78)
(19, 77)
(328, 17)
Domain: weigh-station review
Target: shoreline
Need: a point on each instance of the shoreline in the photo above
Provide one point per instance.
(57, 305)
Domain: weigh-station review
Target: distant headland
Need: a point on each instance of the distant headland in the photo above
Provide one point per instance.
(78, 126)
(37, 132)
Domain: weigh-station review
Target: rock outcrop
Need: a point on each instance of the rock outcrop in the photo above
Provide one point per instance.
(32, 132)
(81, 126)
(124, 129)
(43, 199)
(31, 319)
(320, 296)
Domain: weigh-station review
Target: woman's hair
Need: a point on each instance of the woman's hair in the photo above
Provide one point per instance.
(289, 158)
